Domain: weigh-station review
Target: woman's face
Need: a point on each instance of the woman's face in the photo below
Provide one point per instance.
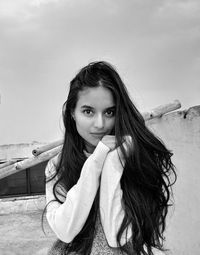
(94, 115)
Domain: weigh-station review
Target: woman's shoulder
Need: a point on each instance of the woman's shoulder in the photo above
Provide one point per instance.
(51, 167)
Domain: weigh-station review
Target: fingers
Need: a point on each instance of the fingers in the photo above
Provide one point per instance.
(109, 141)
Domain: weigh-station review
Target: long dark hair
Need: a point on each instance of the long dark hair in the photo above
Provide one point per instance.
(146, 181)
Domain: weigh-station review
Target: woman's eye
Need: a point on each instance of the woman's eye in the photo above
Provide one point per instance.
(109, 113)
(87, 112)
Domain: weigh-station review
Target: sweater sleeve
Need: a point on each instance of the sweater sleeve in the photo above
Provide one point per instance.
(111, 207)
(67, 219)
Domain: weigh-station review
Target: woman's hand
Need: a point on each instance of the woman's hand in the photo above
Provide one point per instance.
(109, 141)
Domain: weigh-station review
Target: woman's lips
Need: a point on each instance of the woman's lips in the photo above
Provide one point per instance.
(98, 135)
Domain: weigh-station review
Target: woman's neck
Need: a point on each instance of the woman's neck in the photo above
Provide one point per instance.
(89, 147)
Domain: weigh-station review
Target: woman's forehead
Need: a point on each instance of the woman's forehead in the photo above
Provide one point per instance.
(96, 97)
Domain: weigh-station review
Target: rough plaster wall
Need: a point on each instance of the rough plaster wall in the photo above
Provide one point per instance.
(23, 150)
(181, 133)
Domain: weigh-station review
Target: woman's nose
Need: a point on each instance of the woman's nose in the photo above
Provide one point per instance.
(99, 121)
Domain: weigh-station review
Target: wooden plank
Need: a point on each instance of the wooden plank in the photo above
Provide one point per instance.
(46, 147)
(32, 161)
(10, 162)
(161, 110)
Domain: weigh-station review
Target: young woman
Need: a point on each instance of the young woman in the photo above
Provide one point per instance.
(108, 191)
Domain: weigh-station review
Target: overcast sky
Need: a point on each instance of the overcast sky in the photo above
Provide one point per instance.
(154, 44)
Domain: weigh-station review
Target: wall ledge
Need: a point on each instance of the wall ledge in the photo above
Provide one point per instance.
(22, 204)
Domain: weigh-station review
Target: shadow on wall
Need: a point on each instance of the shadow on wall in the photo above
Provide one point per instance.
(180, 131)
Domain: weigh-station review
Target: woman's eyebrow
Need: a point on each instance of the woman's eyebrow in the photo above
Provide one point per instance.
(90, 107)
(87, 106)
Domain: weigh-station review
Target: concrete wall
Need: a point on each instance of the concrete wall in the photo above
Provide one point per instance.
(17, 151)
(26, 204)
(181, 133)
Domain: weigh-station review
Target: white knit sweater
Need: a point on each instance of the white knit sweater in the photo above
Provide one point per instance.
(104, 168)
